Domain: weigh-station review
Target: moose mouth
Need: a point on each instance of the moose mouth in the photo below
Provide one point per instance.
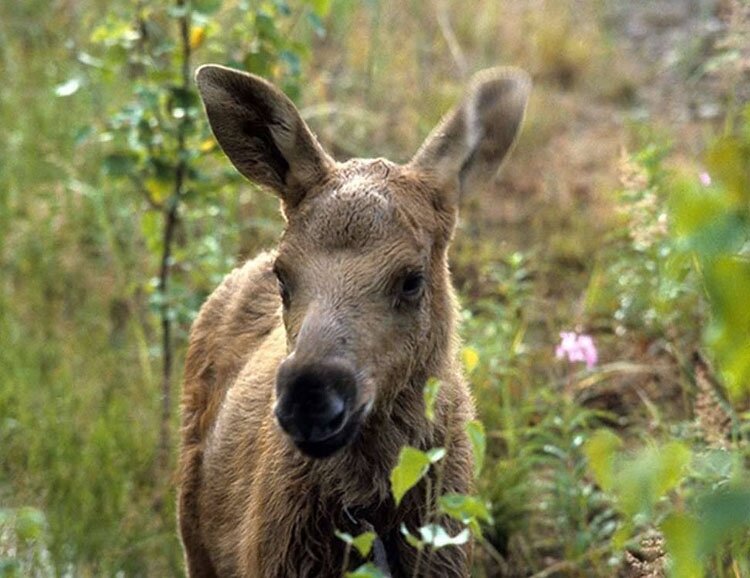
(345, 435)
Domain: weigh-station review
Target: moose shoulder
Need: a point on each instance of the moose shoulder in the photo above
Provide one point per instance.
(306, 367)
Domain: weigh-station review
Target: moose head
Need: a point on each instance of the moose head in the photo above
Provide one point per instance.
(364, 286)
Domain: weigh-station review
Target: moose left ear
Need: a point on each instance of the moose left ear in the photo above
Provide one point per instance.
(469, 144)
(262, 132)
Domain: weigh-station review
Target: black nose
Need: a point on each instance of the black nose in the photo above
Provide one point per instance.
(314, 399)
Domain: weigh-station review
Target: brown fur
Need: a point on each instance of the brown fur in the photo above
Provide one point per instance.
(250, 504)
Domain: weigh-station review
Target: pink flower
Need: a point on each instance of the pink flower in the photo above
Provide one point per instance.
(577, 348)
(705, 179)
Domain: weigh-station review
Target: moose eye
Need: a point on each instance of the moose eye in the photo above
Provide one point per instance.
(412, 286)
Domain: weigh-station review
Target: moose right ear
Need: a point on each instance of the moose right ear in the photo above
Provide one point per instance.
(262, 132)
(469, 145)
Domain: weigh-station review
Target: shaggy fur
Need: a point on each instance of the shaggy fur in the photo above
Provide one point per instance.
(250, 504)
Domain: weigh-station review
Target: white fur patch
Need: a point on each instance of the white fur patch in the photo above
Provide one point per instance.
(473, 130)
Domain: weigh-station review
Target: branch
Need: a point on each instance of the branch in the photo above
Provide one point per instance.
(171, 220)
(454, 47)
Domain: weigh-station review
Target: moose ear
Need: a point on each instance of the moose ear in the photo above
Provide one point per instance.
(262, 132)
(465, 150)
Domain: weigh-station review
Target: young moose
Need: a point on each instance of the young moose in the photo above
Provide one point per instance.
(306, 367)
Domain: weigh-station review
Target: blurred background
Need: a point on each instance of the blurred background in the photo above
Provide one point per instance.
(622, 219)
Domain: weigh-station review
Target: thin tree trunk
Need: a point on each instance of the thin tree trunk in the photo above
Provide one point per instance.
(171, 219)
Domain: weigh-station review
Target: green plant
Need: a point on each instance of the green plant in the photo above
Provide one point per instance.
(157, 144)
(23, 537)
(697, 495)
(711, 217)
(643, 281)
(410, 470)
(700, 501)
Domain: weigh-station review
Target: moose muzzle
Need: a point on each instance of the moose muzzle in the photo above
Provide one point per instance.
(315, 404)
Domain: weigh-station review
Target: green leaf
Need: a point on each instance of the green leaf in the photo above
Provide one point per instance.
(463, 508)
(478, 440)
(600, 451)
(693, 206)
(431, 390)
(9, 568)
(728, 163)
(159, 189)
(119, 164)
(654, 471)
(681, 534)
(715, 463)
(437, 537)
(411, 467)
(727, 281)
(673, 459)
(363, 543)
(470, 358)
(622, 534)
(30, 524)
(412, 540)
(206, 6)
(321, 7)
(82, 135)
(723, 514)
(368, 570)
(151, 230)
(724, 234)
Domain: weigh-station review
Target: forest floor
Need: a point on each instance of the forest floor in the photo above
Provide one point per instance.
(658, 48)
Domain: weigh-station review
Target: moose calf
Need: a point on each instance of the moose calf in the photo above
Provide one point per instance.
(306, 367)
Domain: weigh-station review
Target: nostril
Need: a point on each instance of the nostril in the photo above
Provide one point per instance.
(337, 407)
(312, 423)
(314, 399)
(335, 413)
(326, 421)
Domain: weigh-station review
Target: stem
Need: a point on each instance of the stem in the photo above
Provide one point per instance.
(166, 330)
(443, 18)
(440, 467)
(374, 43)
(432, 494)
(345, 564)
(171, 219)
(428, 518)
(496, 556)
(418, 562)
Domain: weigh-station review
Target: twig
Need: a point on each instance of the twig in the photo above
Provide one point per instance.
(495, 555)
(345, 563)
(428, 503)
(569, 565)
(554, 568)
(171, 220)
(450, 38)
